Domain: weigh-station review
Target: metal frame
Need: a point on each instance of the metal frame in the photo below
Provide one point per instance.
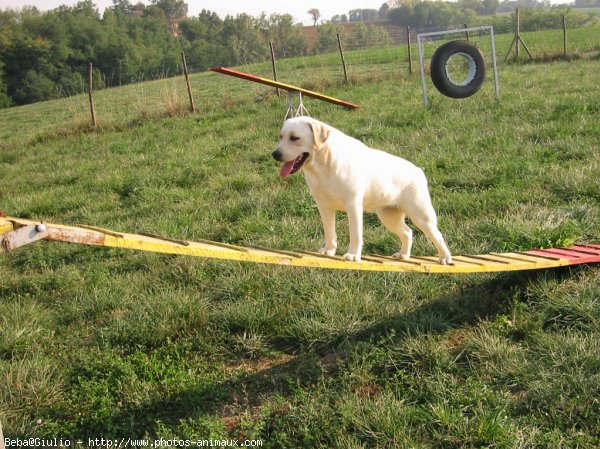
(456, 31)
(292, 110)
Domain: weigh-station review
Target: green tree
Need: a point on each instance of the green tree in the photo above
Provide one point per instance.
(287, 37)
(384, 10)
(243, 37)
(208, 25)
(343, 18)
(431, 14)
(174, 10)
(125, 6)
(5, 100)
(370, 36)
(315, 15)
(35, 87)
(540, 19)
(490, 7)
(363, 15)
(327, 37)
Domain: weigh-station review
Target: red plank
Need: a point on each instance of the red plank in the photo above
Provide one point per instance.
(567, 254)
(591, 246)
(573, 254)
(584, 249)
(585, 259)
(289, 87)
(542, 253)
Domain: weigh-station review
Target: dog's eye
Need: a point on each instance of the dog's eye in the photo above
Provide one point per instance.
(294, 138)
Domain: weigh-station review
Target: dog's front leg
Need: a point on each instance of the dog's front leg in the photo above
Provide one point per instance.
(355, 221)
(328, 219)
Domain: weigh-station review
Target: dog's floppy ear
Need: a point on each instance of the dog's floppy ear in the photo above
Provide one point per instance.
(320, 133)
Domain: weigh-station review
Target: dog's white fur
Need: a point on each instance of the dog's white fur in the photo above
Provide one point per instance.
(343, 174)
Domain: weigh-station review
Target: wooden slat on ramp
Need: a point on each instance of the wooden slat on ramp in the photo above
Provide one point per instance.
(16, 232)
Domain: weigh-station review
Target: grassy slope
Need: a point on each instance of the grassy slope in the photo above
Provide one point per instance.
(97, 342)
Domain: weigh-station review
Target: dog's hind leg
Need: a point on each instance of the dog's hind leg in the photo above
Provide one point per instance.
(394, 219)
(428, 224)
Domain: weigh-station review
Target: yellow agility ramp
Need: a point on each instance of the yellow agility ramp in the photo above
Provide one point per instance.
(17, 232)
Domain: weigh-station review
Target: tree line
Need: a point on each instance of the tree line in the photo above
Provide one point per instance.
(45, 55)
(535, 15)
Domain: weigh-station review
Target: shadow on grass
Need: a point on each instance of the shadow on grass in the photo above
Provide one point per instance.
(254, 382)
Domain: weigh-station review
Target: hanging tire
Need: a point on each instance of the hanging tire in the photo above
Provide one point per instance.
(457, 69)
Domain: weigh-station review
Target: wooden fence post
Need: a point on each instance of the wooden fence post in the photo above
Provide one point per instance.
(518, 40)
(90, 94)
(518, 33)
(564, 20)
(410, 64)
(187, 81)
(273, 65)
(342, 56)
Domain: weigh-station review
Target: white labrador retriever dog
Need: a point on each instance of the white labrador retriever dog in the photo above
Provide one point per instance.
(343, 174)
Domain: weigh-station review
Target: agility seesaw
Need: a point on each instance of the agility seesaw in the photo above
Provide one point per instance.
(289, 87)
(17, 232)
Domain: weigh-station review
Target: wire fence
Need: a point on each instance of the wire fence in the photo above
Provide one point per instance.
(365, 62)
(396, 59)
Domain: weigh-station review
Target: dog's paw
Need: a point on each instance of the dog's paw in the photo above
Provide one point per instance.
(327, 252)
(352, 257)
(445, 260)
(401, 256)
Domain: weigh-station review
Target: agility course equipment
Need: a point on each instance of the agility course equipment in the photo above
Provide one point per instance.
(441, 62)
(17, 232)
(292, 111)
(445, 81)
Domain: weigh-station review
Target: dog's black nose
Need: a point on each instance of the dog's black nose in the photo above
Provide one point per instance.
(276, 155)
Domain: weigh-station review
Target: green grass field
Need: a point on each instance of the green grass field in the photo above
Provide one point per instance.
(111, 343)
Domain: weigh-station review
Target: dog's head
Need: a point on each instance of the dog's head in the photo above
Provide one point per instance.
(299, 139)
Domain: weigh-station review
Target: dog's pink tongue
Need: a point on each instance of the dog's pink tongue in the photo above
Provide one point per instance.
(286, 170)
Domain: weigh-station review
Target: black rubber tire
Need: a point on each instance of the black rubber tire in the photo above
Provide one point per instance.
(439, 71)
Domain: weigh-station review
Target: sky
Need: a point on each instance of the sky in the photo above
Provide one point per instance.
(297, 8)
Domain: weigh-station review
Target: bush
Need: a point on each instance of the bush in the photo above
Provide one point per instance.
(35, 87)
